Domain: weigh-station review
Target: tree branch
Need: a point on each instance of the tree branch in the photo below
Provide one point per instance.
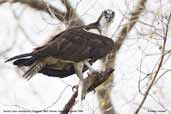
(70, 17)
(158, 68)
(93, 81)
(103, 94)
(39, 5)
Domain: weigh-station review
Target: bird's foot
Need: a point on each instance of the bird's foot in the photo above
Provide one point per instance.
(75, 87)
(95, 72)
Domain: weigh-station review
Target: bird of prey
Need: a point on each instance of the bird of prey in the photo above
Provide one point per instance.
(69, 50)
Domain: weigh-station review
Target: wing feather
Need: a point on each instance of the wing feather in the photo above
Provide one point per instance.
(77, 45)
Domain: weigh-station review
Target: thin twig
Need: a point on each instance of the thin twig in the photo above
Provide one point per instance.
(39, 5)
(158, 68)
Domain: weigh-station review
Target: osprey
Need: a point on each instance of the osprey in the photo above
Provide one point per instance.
(69, 51)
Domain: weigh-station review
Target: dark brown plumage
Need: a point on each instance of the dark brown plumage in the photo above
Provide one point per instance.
(74, 45)
(66, 47)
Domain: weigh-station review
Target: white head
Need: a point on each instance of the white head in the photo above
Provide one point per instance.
(105, 20)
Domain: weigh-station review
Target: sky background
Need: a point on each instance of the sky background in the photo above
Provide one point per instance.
(137, 58)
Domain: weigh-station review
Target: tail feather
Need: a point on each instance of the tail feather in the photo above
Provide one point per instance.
(35, 68)
(19, 56)
(24, 61)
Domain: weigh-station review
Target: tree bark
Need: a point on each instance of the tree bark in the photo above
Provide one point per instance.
(104, 93)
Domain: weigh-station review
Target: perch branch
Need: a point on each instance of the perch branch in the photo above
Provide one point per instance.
(93, 81)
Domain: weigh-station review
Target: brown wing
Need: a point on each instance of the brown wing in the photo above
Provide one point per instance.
(76, 45)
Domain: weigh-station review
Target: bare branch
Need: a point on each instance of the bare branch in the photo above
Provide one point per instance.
(93, 82)
(103, 93)
(134, 17)
(39, 5)
(70, 103)
(158, 68)
(71, 16)
(96, 80)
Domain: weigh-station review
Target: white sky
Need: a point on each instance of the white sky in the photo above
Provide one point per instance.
(42, 91)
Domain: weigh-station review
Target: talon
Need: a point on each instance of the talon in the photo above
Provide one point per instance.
(98, 73)
(74, 87)
(89, 74)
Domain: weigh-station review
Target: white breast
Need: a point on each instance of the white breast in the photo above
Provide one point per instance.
(95, 31)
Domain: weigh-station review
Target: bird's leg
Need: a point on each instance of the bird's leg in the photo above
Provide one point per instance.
(79, 72)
